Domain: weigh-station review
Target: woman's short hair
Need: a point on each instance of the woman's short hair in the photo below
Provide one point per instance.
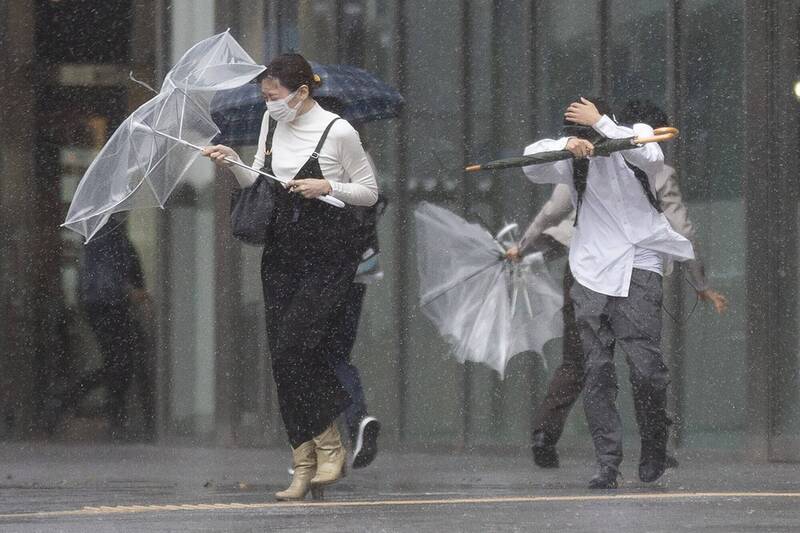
(292, 71)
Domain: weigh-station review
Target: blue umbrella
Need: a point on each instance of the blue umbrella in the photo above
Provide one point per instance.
(355, 94)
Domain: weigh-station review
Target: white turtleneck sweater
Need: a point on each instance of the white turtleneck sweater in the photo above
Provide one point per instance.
(342, 158)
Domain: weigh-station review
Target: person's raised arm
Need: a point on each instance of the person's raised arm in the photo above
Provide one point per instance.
(554, 211)
(647, 157)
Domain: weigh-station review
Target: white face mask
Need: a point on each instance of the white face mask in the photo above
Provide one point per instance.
(280, 110)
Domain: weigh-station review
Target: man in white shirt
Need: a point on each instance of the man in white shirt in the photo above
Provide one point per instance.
(551, 232)
(617, 257)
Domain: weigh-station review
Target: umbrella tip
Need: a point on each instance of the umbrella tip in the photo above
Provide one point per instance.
(472, 168)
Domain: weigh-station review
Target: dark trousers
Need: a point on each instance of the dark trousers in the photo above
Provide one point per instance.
(340, 350)
(121, 342)
(566, 383)
(634, 324)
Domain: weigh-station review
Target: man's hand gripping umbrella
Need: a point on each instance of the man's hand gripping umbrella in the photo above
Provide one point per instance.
(603, 148)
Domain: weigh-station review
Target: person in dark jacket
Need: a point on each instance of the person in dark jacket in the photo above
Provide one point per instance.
(111, 283)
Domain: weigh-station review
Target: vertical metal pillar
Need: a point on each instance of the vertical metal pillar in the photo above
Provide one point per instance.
(674, 295)
(760, 169)
(401, 230)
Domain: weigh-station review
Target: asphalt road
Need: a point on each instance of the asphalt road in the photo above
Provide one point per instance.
(52, 488)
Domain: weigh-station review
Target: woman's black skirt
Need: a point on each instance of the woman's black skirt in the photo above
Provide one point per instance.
(307, 267)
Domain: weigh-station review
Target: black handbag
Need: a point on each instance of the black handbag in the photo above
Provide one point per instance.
(251, 211)
(252, 207)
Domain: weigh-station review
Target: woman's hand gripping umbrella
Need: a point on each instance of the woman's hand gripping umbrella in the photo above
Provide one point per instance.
(486, 306)
(206, 151)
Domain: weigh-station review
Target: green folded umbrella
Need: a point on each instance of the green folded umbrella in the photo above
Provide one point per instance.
(601, 148)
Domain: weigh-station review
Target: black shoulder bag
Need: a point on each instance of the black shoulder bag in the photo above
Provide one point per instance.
(252, 207)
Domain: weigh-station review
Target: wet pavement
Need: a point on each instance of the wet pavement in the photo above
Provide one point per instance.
(161, 488)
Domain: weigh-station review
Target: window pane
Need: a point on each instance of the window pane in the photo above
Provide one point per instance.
(710, 171)
(568, 37)
(637, 51)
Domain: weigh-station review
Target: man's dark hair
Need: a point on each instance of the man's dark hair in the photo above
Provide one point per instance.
(643, 111)
(292, 71)
(571, 129)
(600, 103)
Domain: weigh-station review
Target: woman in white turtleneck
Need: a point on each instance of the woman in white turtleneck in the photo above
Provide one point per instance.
(310, 258)
(344, 164)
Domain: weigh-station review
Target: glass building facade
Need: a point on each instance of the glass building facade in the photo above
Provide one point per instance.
(481, 79)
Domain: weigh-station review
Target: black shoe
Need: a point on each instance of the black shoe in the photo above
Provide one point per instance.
(606, 478)
(366, 447)
(653, 460)
(544, 454)
(650, 471)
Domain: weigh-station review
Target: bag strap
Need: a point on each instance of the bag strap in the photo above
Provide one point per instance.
(315, 154)
(641, 176)
(270, 133)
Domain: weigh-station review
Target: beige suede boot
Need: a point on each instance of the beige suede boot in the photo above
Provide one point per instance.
(304, 462)
(331, 457)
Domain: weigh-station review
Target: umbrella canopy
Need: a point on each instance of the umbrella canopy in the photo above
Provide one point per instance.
(353, 93)
(487, 307)
(144, 160)
(603, 147)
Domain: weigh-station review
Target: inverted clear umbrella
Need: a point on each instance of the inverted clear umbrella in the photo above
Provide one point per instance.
(488, 308)
(149, 154)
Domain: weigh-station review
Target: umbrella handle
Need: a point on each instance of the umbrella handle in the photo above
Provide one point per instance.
(661, 134)
(508, 228)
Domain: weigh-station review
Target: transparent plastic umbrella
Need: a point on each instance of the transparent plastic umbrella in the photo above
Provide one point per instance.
(488, 308)
(149, 154)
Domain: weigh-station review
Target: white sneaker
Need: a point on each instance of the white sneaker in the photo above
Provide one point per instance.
(367, 442)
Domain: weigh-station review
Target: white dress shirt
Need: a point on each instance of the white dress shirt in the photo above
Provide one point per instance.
(557, 216)
(617, 227)
(342, 159)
